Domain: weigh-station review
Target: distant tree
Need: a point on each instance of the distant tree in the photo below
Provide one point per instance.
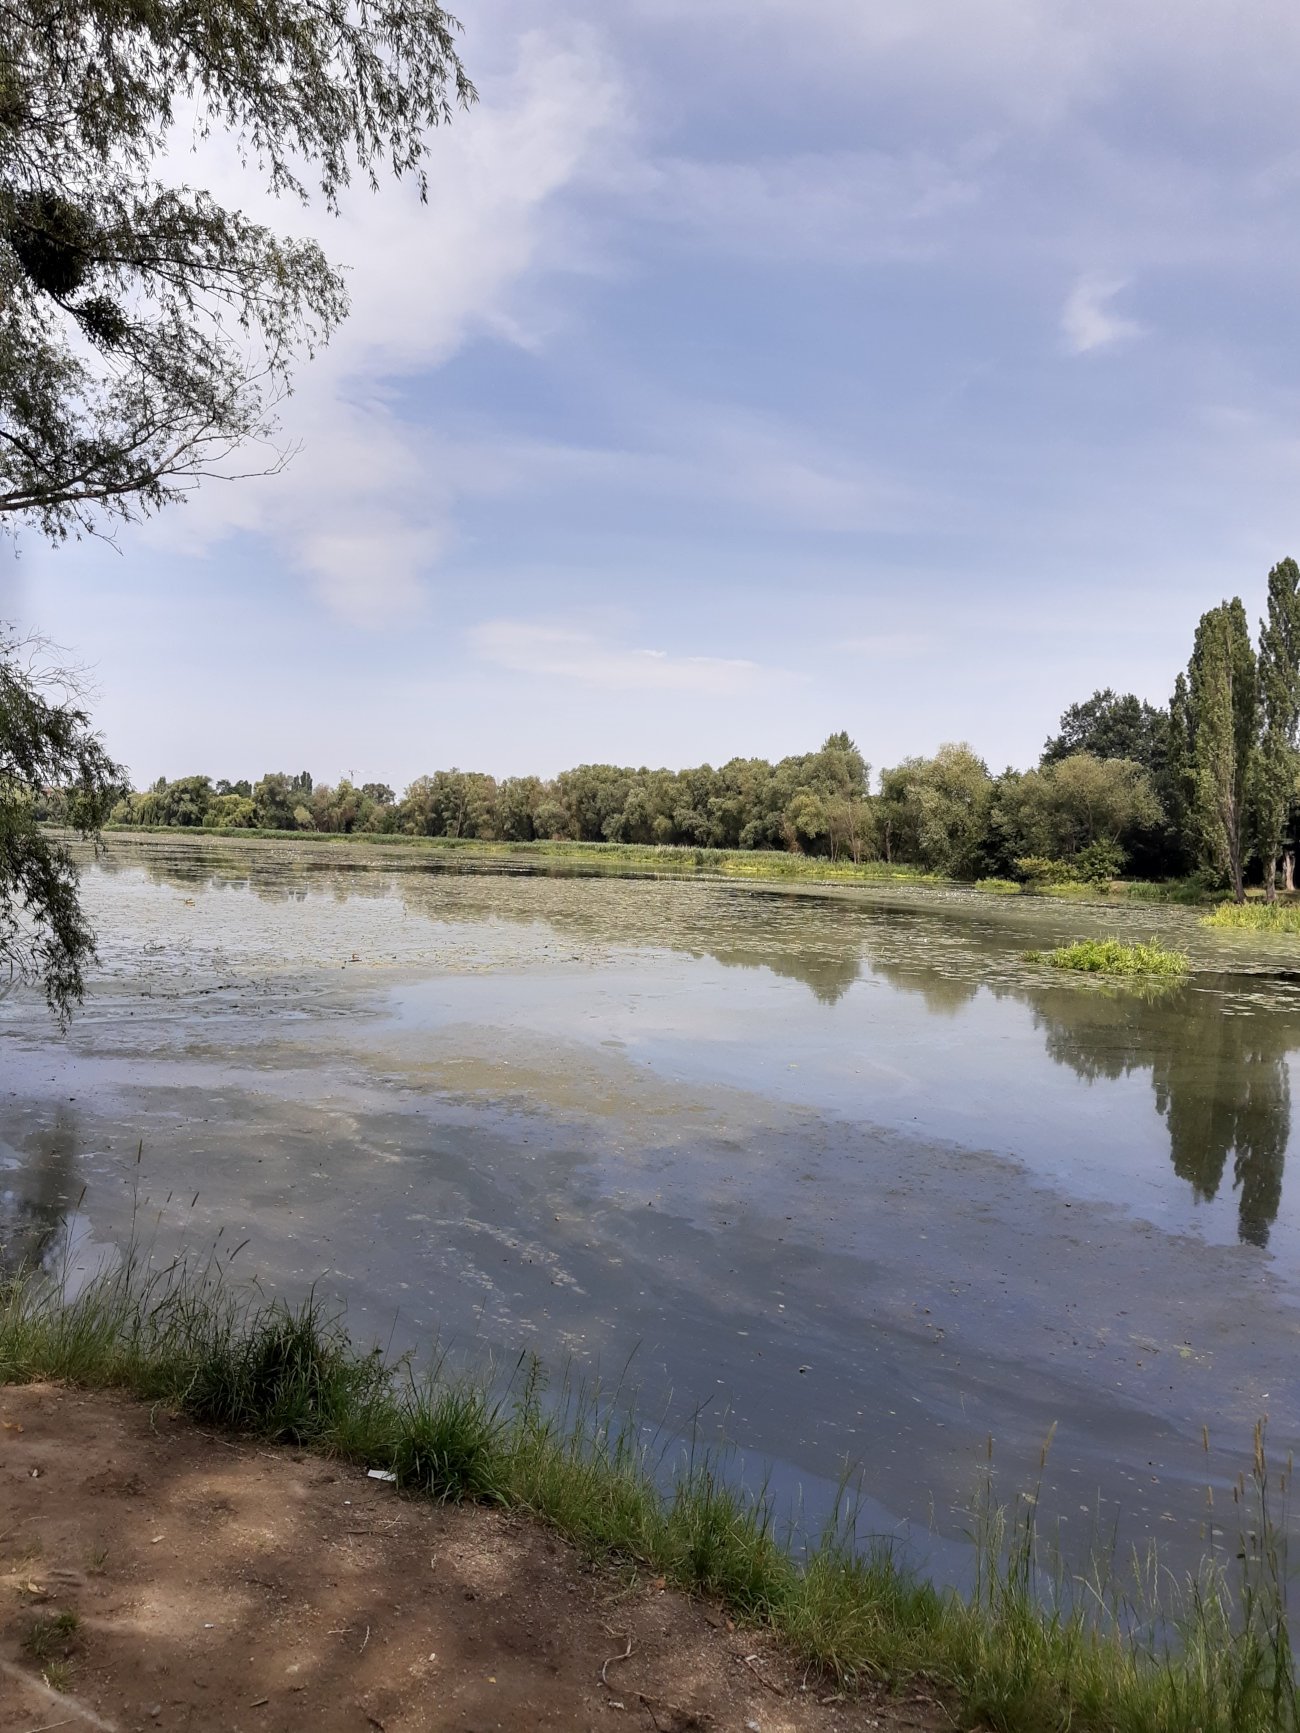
(1109, 726)
(1277, 765)
(1221, 720)
(1076, 804)
(935, 811)
(46, 741)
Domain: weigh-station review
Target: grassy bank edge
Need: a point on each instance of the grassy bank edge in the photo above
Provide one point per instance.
(1024, 1652)
(682, 861)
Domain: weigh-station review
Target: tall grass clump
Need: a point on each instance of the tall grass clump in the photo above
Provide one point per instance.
(1030, 1648)
(1255, 917)
(1113, 957)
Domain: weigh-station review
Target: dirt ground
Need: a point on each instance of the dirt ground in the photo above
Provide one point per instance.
(223, 1586)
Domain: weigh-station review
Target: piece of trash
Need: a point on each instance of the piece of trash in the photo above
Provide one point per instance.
(752, 1727)
(209, 1627)
(36, 1474)
(381, 1474)
(12, 1426)
(155, 1540)
(260, 1703)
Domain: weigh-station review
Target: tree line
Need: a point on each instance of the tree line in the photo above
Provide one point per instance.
(1208, 783)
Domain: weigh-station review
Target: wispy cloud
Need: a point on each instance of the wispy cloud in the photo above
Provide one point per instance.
(360, 511)
(571, 654)
(1088, 321)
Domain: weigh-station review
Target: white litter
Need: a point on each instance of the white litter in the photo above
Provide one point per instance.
(381, 1474)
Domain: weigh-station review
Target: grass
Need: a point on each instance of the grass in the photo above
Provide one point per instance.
(1026, 1651)
(1256, 917)
(1113, 957)
(1000, 887)
(49, 1637)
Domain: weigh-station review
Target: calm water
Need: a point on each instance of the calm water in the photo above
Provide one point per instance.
(837, 1173)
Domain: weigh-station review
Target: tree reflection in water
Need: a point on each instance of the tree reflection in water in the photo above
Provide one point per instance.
(1220, 1074)
(37, 1195)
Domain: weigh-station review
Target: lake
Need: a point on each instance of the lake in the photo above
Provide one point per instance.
(836, 1174)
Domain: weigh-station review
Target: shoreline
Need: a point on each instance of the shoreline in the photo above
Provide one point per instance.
(1020, 1653)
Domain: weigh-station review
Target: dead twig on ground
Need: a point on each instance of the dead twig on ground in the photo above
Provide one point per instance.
(751, 1661)
(610, 1662)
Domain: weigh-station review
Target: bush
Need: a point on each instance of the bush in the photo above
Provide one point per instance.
(999, 887)
(1100, 862)
(1037, 869)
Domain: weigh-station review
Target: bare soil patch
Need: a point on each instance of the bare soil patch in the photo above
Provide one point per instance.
(221, 1585)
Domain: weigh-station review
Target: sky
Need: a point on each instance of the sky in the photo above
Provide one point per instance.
(753, 371)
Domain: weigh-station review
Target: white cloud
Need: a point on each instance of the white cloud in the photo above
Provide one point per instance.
(1087, 321)
(360, 509)
(571, 654)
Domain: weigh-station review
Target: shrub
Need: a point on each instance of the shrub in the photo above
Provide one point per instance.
(1037, 869)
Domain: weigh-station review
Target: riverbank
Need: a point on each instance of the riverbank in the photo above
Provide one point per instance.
(647, 860)
(1013, 1655)
(155, 1574)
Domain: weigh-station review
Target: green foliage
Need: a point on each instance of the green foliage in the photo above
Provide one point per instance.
(1000, 887)
(1108, 726)
(1099, 862)
(1255, 917)
(1277, 763)
(144, 327)
(1020, 1652)
(1039, 870)
(1114, 957)
(1221, 720)
(45, 739)
(935, 811)
(1074, 805)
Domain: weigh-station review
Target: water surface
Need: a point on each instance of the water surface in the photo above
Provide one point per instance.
(838, 1171)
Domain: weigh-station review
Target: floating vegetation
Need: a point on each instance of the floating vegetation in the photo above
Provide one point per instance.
(999, 887)
(1114, 957)
(1256, 917)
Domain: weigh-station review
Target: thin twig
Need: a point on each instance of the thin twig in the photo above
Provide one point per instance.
(610, 1662)
(364, 1641)
(749, 1661)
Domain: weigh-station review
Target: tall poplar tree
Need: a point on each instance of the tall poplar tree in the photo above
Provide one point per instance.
(1222, 720)
(1278, 762)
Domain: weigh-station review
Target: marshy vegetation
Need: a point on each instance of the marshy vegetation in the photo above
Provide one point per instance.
(1114, 957)
(1256, 917)
(1028, 1647)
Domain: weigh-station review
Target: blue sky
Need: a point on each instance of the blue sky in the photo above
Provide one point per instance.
(754, 370)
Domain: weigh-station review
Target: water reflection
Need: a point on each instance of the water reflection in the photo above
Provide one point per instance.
(1219, 1071)
(1221, 1080)
(1216, 1051)
(37, 1191)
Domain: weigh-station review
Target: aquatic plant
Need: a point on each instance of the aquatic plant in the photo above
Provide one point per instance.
(1114, 957)
(999, 887)
(1027, 1649)
(1256, 917)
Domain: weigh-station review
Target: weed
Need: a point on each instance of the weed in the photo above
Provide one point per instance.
(49, 1637)
(1113, 957)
